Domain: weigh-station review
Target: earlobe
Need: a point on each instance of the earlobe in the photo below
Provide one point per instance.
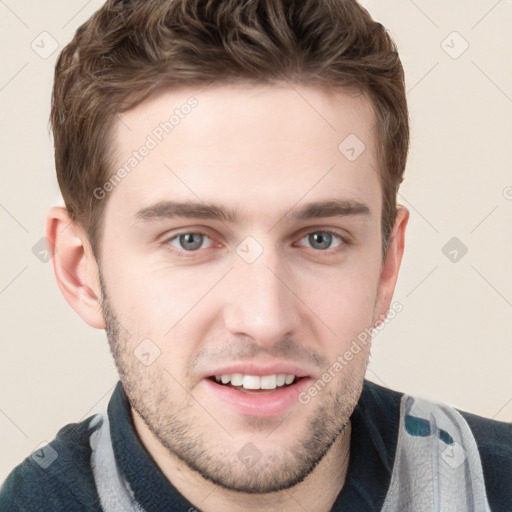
(74, 265)
(391, 264)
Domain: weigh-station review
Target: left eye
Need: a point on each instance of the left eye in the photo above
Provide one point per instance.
(322, 240)
(189, 241)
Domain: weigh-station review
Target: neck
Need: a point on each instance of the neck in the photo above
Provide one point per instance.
(318, 491)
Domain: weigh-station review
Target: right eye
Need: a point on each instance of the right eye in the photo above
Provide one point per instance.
(190, 241)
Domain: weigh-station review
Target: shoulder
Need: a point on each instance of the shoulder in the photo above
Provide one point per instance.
(494, 441)
(381, 412)
(56, 477)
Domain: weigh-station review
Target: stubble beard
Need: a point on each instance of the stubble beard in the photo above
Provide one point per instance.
(173, 425)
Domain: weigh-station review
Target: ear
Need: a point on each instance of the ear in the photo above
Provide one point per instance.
(75, 267)
(391, 265)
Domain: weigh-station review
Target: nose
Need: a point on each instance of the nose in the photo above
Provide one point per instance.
(261, 302)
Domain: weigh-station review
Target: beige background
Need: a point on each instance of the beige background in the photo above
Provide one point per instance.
(451, 342)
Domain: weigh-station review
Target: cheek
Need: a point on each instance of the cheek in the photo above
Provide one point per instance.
(346, 306)
(344, 297)
(164, 305)
(147, 295)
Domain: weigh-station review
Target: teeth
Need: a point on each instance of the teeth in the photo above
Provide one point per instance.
(289, 379)
(251, 382)
(268, 382)
(237, 379)
(254, 381)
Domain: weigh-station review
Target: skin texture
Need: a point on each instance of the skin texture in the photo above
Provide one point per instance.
(259, 151)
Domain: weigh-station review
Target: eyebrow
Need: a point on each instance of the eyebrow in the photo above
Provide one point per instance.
(198, 210)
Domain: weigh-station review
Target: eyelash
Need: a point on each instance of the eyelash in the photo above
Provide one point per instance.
(344, 242)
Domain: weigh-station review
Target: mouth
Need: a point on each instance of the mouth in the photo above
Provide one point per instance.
(255, 384)
(264, 396)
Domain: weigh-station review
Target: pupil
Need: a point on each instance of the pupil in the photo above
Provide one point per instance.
(191, 241)
(323, 240)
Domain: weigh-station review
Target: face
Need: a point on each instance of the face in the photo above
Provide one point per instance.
(241, 256)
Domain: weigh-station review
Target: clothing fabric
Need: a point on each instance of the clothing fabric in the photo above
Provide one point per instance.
(437, 464)
(393, 438)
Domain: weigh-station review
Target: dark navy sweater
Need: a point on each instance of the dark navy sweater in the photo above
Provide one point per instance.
(59, 477)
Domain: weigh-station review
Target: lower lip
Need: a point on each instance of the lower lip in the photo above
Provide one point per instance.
(261, 405)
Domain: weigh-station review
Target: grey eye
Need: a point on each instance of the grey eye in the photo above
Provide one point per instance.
(322, 240)
(189, 241)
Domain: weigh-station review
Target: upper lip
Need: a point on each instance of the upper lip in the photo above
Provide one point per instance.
(259, 369)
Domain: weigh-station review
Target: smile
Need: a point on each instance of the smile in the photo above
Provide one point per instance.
(263, 396)
(255, 382)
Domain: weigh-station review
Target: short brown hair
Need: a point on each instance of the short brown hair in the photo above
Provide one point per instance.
(129, 49)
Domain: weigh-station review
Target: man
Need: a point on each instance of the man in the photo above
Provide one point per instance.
(230, 172)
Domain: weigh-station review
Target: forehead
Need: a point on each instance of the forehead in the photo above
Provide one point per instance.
(259, 149)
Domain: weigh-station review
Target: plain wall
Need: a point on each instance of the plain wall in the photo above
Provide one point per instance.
(452, 340)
